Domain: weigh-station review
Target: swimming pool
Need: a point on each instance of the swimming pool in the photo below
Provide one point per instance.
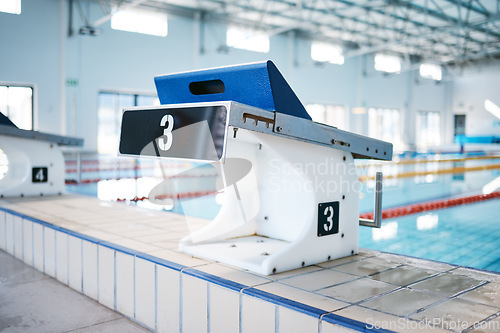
(465, 235)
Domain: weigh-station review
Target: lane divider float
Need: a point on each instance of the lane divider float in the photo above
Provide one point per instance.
(434, 172)
(185, 195)
(432, 205)
(423, 161)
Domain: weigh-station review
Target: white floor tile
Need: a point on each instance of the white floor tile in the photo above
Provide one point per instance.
(18, 237)
(107, 277)
(125, 284)
(168, 298)
(145, 289)
(75, 263)
(27, 242)
(194, 304)
(62, 257)
(38, 246)
(50, 251)
(89, 268)
(257, 315)
(224, 309)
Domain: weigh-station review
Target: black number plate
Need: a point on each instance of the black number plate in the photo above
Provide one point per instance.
(328, 218)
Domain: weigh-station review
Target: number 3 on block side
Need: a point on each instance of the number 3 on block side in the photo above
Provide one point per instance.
(329, 218)
(165, 142)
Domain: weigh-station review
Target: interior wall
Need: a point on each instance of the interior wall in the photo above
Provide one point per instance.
(471, 88)
(31, 53)
(69, 71)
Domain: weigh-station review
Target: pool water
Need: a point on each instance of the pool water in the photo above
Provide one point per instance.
(467, 235)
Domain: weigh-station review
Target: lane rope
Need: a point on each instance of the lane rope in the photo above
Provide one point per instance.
(424, 161)
(186, 195)
(432, 205)
(434, 172)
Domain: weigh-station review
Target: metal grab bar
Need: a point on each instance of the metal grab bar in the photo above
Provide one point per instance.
(377, 215)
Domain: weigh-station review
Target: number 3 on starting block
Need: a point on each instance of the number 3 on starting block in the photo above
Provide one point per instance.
(328, 218)
(165, 142)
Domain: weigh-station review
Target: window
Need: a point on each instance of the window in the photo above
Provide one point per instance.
(10, 6)
(387, 63)
(333, 115)
(431, 71)
(428, 128)
(246, 39)
(110, 115)
(385, 124)
(492, 108)
(140, 21)
(16, 103)
(324, 52)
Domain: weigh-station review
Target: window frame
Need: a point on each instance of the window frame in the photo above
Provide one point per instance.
(418, 135)
(15, 13)
(327, 114)
(140, 11)
(400, 133)
(33, 87)
(315, 44)
(255, 32)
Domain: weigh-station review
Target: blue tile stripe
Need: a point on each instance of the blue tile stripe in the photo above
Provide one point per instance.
(353, 324)
(161, 262)
(253, 292)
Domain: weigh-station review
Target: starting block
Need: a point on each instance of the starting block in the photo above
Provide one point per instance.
(291, 190)
(35, 161)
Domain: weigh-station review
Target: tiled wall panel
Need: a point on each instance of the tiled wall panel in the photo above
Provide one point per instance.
(125, 284)
(194, 304)
(107, 277)
(18, 237)
(27, 242)
(75, 263)
(62, 257)
(89, 269)
(168, 299)
(49, 245)
(145, 288)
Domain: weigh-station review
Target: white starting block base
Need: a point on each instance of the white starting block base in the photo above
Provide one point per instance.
(277, 216)
(250, 252)
(34, 167)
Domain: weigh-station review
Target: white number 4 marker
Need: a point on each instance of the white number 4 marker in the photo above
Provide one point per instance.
(39, 175)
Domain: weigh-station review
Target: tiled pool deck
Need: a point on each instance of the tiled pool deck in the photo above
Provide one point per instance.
(126, 258)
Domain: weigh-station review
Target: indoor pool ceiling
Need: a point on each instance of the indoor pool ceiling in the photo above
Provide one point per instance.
(452, 32)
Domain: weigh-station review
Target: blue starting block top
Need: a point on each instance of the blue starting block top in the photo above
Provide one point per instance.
(259, 84)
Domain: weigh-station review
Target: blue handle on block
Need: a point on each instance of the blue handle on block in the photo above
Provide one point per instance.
(258, 84)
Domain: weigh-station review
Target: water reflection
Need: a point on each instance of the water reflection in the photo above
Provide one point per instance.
(427, 222)
(387, 231)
